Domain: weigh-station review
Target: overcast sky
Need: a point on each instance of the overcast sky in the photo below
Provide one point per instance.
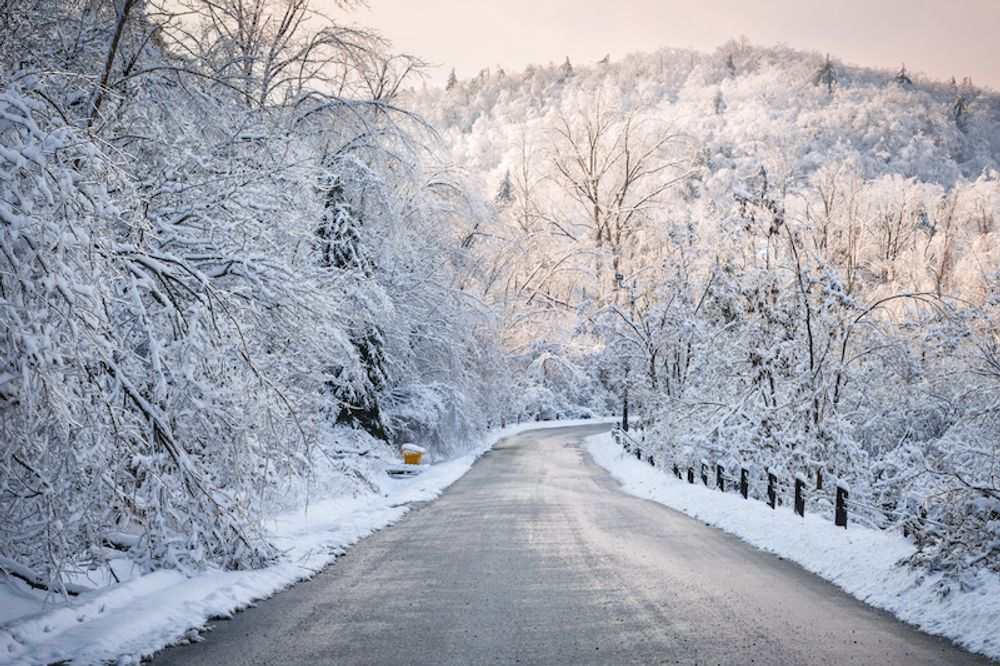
(938, 37)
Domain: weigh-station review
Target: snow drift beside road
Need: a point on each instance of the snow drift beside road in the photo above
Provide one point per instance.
(136, 618)
(860, 560)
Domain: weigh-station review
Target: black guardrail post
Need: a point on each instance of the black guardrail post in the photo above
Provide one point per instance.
(840, 517)
(677, 472)
(704, 474)
(744, 482)
(638, 453)
(819, 479)
(772, 495)
(800, 500)
(720, 480)
(690, 474)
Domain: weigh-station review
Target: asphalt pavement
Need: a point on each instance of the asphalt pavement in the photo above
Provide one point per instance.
(536, 557)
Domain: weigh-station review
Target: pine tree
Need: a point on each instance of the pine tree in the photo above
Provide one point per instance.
(960, 111)
(964, 95)
(341, 248)
(362, 409)
(826, 75)
(719, 103)
(566, 70)
(452, 80)
(902, 78)
(730, 66)
(505, 193)
(339, 233)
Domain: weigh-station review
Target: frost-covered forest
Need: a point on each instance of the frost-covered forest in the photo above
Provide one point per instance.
(246, 252)
(776, 260)
(231, 279)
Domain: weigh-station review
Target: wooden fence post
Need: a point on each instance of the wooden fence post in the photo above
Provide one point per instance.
(772, 495)
(744, 482)
(800, 500)
(840, 516)
(720, 480)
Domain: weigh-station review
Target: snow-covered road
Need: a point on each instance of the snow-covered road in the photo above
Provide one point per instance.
(536, 556)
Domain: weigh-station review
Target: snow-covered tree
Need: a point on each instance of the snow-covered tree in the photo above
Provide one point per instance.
(826, 75)
(812, 296)
(505, 191)
(229, 277)
(566, 69)
(902, 77)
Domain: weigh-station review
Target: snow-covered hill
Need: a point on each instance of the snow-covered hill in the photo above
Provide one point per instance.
(741, 104)
(779, 260)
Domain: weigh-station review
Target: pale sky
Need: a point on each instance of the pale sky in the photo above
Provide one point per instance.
(940, 38)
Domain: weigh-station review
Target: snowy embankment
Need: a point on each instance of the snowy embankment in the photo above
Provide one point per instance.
(132, 619)
(861, 561)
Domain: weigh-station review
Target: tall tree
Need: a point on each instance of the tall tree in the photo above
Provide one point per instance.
(826, 75)
(565, 69)
(615, 169)
(902, 77)
(505, 192)
(341, 235)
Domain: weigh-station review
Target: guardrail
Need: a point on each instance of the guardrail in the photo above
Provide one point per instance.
(631, 445)
(774, 484)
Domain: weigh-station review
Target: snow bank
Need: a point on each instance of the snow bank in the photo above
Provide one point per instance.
(861, 561)
(127, 621)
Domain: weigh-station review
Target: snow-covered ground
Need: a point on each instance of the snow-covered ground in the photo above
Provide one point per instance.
(860, 560)
(127, 621)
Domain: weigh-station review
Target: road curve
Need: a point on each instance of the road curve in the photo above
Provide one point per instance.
(536, 557)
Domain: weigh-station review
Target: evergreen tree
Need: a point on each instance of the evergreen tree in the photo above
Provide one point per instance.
(339, 233)
(719, 103)
(960, 111)
(566, 69)
(362, 409)
(964, 95)
(902, 78)
(730, 66)
(826, 75)
(452, 80)
(505, 193)
(341, 248)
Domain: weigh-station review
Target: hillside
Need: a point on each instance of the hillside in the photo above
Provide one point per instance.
(742, 103)
(778, 260)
